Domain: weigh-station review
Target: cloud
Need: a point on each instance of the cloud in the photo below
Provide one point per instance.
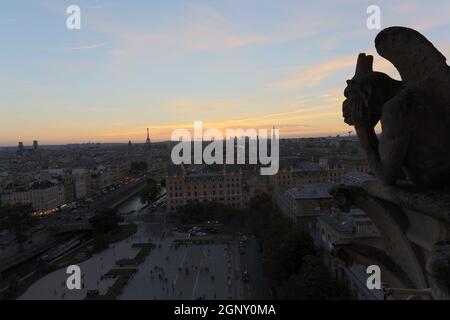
(314, 75)
(302, 116)
(70, 48)
(295, 123)
(200, 29)
(422, 16)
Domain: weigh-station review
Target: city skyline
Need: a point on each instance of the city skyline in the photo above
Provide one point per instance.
(164, 65)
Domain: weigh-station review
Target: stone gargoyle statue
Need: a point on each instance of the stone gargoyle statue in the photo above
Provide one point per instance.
(414, 113)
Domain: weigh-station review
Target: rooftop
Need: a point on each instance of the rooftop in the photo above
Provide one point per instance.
(311, 191)
(308, 166)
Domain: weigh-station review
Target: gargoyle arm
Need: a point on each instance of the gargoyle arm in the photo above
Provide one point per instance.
(386, 156)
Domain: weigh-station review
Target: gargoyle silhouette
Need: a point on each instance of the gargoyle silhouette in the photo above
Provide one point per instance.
(414, 113)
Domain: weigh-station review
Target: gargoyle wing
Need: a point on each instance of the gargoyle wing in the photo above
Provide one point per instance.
(419, 63)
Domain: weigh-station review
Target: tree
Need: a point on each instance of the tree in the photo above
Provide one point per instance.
(313, 282)
(105, 221)
(284, 244)
(150, 192)
(100, 242)
(294, 246)
(43, 267)
(138, 167)
(286, 252)
(18, 218)
(260, 213)
(13, 285)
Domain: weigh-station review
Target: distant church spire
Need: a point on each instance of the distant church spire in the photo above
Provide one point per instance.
(148, 136)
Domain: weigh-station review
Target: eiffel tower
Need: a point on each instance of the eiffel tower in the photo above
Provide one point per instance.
(148, 137)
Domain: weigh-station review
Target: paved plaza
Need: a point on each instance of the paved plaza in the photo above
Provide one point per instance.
(191, 271)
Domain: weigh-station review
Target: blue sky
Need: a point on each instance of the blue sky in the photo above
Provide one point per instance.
(163, 64)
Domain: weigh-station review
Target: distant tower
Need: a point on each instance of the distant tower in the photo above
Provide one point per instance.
(148, 137)
(20, 146)
(35, 145)
(129, 143)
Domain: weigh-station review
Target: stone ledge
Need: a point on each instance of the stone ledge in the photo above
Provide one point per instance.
(434, 203)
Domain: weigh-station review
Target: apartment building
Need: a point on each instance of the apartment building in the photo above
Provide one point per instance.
(42, 195)
(202, 184)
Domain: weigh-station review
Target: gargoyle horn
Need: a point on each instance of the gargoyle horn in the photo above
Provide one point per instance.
(364, 65)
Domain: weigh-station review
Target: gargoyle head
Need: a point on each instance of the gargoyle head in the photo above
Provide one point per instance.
(366, 93)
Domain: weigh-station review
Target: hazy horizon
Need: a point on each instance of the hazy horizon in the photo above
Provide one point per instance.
(29, 144)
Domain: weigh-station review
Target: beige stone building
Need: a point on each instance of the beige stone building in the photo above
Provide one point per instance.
(42, 195)
(338, 166)
(303, 204)
(202, 184)
(303, 173)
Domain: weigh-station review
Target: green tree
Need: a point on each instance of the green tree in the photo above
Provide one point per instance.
(13, 285)
(138, 167)
(286, 251)
(18, 218)
(105, 221)
(100, 242)
(284, 243)
(150, 192)
(260, 213)
(294, 246)
(313, 282)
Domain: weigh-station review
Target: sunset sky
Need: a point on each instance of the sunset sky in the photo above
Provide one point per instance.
(163, 64)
